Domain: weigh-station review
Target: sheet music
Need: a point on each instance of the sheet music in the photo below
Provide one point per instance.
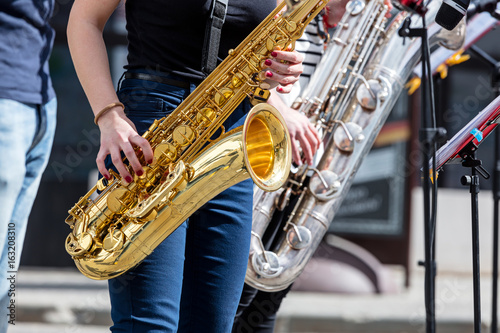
(475, 131)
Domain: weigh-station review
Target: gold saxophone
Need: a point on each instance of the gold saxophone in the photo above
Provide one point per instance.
(349, 96)
(116, 225)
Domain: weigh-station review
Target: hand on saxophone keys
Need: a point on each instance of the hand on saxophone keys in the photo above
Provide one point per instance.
(118, 134)
(284, 69)
(304, 136)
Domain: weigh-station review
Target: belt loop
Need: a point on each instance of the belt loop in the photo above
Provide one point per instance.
(120, 82)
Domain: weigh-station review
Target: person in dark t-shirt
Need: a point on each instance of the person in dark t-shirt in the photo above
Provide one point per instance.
(192, 281)
(27, 125)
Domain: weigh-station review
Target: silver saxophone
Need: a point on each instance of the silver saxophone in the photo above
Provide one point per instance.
(352, 91)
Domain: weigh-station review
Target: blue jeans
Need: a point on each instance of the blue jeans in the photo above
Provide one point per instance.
(193, 280)
(26, 135)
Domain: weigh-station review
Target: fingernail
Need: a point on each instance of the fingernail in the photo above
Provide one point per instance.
(150, 162)
(274, 54)
(269, 74)
(268, 62)
(128, 179)
(279, 89)
(107, 177)
(140, 173)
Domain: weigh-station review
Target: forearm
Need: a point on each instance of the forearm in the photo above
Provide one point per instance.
(89, 55)
(278, 103)
(300, 130)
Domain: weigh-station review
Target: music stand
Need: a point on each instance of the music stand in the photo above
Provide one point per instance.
(495, 85)
(462, 149)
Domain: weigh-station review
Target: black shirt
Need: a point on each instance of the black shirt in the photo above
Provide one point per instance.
(168, 35)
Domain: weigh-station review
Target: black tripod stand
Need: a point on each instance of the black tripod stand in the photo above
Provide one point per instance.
(495, 84)
(469, 160)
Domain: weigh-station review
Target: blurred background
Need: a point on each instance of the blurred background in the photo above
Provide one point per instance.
(370, 282)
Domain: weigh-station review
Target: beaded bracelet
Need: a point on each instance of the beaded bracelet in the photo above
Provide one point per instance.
(106, 109)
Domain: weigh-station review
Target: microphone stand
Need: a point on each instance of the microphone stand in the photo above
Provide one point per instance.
(429, 135)
(469, 160)
(495, 85)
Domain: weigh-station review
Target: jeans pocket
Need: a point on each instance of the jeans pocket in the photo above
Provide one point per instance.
(143, 106)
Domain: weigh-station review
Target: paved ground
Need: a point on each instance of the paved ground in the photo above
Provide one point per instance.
(64, 301)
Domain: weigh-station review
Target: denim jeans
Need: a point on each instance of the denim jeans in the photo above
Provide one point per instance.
(26, 135)
(193, 280)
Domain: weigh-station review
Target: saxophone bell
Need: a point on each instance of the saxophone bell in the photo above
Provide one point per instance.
(267, 149)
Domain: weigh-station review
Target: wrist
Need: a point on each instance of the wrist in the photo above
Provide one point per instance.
(113, 108)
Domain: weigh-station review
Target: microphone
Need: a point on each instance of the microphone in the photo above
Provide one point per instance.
(490, 6)
(451, 12)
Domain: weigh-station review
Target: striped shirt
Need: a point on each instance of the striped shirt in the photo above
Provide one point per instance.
(311, 46)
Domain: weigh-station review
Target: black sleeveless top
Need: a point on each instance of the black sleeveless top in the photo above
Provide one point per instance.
(168, 35)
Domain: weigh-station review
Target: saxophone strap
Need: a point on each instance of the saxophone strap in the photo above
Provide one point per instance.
(212, 35)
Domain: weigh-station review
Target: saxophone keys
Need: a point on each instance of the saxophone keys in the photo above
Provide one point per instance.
(355, 7)
(103, 183)
(369, 93)
(266, 264)
(346, 135)
(260, 96)
(113, 241)
(78, 246)
(237, 80)
(183, 135)
(223, 95)
(120, 199)
(324, 184)
(144, 209)
(147, 179)
(175, 181)
(205, 116)
(276, 41)
(283, 199)
(298, 237)
(165, 153)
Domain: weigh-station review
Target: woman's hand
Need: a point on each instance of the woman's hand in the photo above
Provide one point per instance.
(118, 134)
(283, 67)
(301, 131)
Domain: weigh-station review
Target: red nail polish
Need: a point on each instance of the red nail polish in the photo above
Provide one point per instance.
(268, 62)
(128, 179)
(107, 177)
(280, 89)
(269, 74)
(140, 173)
(274, 54)
(150, 161)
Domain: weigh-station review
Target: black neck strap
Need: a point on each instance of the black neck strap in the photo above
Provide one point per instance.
(212, 35)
